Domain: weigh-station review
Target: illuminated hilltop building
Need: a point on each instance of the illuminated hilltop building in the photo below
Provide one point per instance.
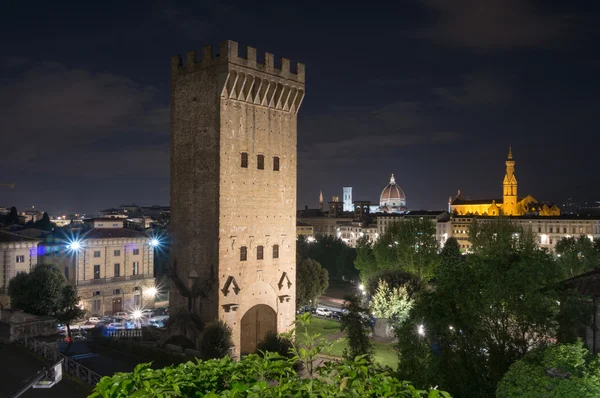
(509, 205)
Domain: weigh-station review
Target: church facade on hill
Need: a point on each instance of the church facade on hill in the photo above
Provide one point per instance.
(509, 205)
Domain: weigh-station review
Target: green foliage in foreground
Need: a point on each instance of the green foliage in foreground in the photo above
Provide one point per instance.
(253, 376)
(557, 371)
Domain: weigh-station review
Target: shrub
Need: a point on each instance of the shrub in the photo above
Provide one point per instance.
(215, 340)
(253, 376)
(275, 343)
(556, 371)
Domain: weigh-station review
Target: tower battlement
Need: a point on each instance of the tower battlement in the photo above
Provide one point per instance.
(229, 53)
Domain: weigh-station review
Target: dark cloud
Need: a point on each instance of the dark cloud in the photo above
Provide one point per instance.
(73, 123)
(492, 24)
(479, 88)
(342, 134)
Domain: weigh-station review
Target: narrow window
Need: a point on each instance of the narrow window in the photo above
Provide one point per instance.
(259, 253)
(97, 253)
(20, 259)
(245, 159)
(276, 163)
(117, 253)
(96, 272)
(117, 270)
(275, 251)
(116, 291)
(260, 159)
(136, 268)
(136, 252)
(137, 300)
(243, 253)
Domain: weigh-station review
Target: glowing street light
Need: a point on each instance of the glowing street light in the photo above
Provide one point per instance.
(154, 242)
(421, 330)
(152, 291)
(74, 245)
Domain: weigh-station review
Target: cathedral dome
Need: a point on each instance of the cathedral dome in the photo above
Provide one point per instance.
(392, 197)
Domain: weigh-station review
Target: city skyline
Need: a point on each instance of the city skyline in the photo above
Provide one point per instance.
(433, 94)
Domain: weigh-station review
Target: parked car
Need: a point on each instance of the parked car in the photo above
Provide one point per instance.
(122, 315)
(115, 325)
(147, 313)
(155, 323)
(94, 319)
(337, 315)
(323, 312)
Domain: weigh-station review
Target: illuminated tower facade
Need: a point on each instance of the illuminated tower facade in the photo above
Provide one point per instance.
(233, 192)
(348, 206)
(509, 205)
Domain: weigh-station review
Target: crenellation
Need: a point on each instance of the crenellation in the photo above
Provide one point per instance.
(269, 63)
(190, 59)
(207, 54)
(251, 56)
(285, 65)
(229, 54)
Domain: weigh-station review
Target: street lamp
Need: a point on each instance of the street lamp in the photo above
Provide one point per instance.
(421, 330)
(74, 245)
(154, 242)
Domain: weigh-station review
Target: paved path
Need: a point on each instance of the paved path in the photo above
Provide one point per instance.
(18, 364)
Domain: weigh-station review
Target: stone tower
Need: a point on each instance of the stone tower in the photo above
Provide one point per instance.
(233, 192)
(348, 206)
(509, 205)
(321, 200)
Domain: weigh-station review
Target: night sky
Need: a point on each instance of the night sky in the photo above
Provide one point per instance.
(433, 91)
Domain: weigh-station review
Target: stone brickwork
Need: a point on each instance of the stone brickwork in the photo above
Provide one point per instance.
(223, 204)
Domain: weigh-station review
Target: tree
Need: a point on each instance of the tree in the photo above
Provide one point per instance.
(215, 341)
(40, 291)
(12, 217)
(311, 282)
(556, 371)
(408, 245)
(69, 309)
(577, 255)
(356, 323)
(332, 253)
(393, 304)
(482, 314)
(44, 223)
(45, 291)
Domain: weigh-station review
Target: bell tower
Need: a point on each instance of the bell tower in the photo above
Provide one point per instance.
(509, 205)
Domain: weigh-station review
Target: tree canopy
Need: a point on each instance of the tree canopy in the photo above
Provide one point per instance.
(577, 255)
(311, 282)
(409, 245)
(332, 253)
(483, 312)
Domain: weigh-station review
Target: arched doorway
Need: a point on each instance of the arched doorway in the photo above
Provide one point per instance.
(256, 323)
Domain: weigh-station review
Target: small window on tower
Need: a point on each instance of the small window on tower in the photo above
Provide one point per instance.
(260, 162)
(275, 251)
(259, 253)
(276, 163)
(243, 253)
(245, 159)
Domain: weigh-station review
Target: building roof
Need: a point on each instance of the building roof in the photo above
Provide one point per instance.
(96, 233)
(9, 237)
(567, 217)
(587, 284)
(391, 191)
(460, 201)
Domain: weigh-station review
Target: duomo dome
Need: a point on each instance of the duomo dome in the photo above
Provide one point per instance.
(392, 199)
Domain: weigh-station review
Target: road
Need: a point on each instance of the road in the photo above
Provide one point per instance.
(19, 364)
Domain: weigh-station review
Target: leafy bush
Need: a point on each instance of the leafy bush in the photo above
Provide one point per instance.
(253, 376)
(215, 340)
(276, 343)
(557, 371)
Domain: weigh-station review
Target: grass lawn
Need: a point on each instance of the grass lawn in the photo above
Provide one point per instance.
(384, 351)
